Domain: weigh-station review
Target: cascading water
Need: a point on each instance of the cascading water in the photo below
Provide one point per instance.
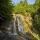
(20, 27)
(14, 27)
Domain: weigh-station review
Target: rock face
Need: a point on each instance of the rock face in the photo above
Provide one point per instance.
(17, 28)
(21, 36)
(19, 23)
(15, 25)
(26, 21)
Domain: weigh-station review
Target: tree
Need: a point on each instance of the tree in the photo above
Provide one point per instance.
(5, 11)
(36, 17)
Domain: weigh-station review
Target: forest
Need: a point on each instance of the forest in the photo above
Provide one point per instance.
(21, 19)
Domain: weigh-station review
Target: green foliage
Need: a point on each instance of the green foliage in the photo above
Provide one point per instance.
(20, 7)
(36, 21)
(24, 7)
(34, 9)
(36, 17)
(5, 10)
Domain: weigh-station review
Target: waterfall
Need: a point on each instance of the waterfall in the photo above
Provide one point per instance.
(20, 26)
(12, 27)
(15, 26)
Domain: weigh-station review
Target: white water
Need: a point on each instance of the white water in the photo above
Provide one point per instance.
(20, 27)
